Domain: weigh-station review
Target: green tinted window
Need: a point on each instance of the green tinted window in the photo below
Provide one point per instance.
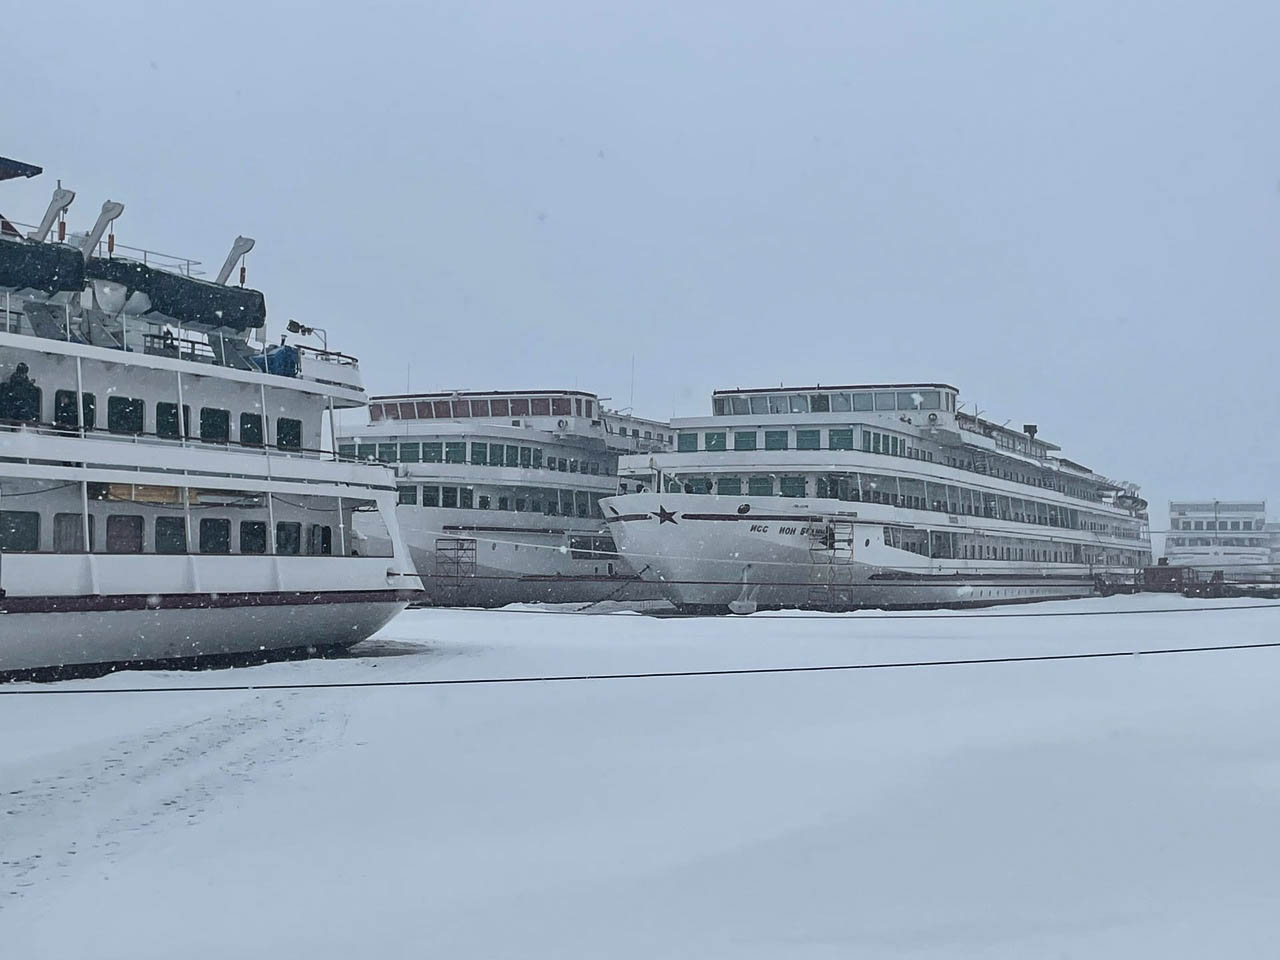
(455, 451)
(775, 439)
(347, 451)
(387, 452)
(495, 455)
(729, 486)
(431, 496)
(793, 486)
(744, 441)
(714, 441)
(433, 452)
(407, 496)
(410, 453)
(808, 439)
(687, 443)
(760, 486)
(840, 439)
(367, 451)
(480, 454)
(513, 456)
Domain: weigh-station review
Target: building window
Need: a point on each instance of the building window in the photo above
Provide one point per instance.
(808, 439)
(167, 420)
(124, 534)
(253, 537)
(729, 486)
(19, 531)
(744, 441)
(687, 442)
(793, 486)
(714, 441)
(215, 427)
(455, 451)
(479, 454)
(288, 433)
(171, 535)
(124, 415)
(775, 439)
(288, 538)
(407, 496)
(760, 486)
(840, 439)
(64, 409)
(215, 536)
(251, 429)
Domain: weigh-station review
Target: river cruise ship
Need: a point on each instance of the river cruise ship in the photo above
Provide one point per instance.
(1227, 536)
(165, 492)
(881, 495)
(499, 491)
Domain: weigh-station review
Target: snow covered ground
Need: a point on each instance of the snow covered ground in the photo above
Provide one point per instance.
(1088, 808)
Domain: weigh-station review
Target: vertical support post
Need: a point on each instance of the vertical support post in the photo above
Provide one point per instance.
(342, 530)
(182, 418)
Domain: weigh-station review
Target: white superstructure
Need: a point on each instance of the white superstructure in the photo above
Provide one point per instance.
(162, 495)
(1232, 536)
(868, 495)
(499, 491)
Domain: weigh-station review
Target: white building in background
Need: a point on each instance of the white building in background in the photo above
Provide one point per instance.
(1228, 535)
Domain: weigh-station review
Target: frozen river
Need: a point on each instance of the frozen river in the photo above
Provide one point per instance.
(1112, 807)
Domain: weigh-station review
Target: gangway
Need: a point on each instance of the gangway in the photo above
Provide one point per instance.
(831, 564)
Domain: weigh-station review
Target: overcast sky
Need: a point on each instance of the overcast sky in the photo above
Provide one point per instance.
(1069, 210)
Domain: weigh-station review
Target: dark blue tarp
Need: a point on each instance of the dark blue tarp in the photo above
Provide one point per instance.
(281, 360)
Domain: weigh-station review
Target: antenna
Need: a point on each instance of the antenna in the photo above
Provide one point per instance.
(631, 405)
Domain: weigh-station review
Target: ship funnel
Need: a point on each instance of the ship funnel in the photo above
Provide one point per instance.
(110, 210)
(61, 200)
(241, 246)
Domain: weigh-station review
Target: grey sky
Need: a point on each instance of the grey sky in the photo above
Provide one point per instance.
(1071, 211)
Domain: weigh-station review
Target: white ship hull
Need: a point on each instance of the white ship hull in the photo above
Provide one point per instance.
(708, 557)
(488, 559)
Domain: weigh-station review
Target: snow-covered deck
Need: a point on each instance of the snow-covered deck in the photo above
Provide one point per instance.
(1096, 808)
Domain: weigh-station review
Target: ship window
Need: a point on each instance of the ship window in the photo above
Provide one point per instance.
(124, 415)
(466, 497)
(793, 486)
(68, 532)
(391, 411)
(495, 455)
(526, 457)
(171, 535)
(479, 454)
(713, 441)
(410, 453)
(504, 503)
(760, 486)
(744, 441)
(862, 401)
(775, 439)
(540, 407)
(64, 409)
(288, 538)
(320, 540)
(930, 400)
(500, 408)
(461, 408)
(375, 412)
(387, 452)
(407, 496)
(885, 401)
(875, 442)
(367, 451)
(573, 465)
(424, 410)
(480, 408)
(253, 537)
(19, 531)
(289, 434)
(799, 403)
(910, 400)
(215, 536)
(840, 402)
(760, 404)
(124, 534)
(442, 408)
(777, 403)
(559, 407)
(513, 456)
(687, 442)
(840, 439)
(483, 502)
(455, 451)
(577, 406)
(729, 486)
(583, 503)
(449, 497)
(590, 407)
(808, 439)
(537, 458)
(595, 468)
(167, 420)
(251, 429)
(520, 407)
(819, 403)
(719, 406)
(740, 406)
(522, 505)
(215, 424)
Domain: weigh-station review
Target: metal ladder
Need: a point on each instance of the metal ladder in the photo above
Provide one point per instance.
(831, 564)
(455, 557)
